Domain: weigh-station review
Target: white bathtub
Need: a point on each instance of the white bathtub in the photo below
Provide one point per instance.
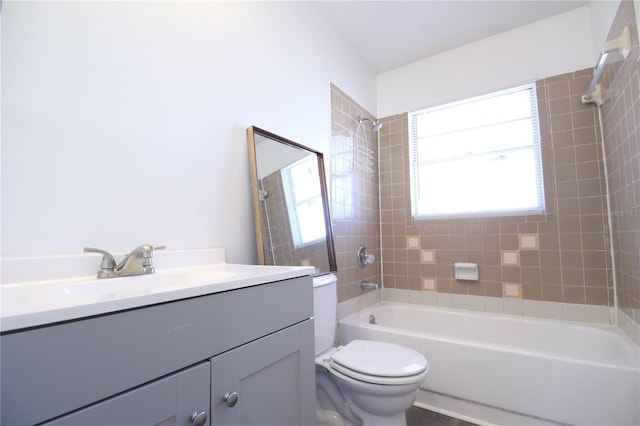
(506, 370)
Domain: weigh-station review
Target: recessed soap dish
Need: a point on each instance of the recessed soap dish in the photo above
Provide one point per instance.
(466, 271)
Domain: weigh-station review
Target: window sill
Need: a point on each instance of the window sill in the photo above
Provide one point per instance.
(481, 215)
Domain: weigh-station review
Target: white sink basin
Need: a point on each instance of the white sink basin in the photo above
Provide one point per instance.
(143, 284)
(92, 290)
(36, 303)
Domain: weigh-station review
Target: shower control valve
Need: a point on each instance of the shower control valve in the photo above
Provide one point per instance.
(364, 257)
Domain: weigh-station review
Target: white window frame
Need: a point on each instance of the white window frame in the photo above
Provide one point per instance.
(471, 201)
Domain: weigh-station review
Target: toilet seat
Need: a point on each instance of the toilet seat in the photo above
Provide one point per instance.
(381, 363)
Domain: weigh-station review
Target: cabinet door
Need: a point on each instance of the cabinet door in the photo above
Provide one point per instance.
(169, 401)
(270, 381)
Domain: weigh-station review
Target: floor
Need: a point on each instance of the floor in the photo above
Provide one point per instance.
(419, 417)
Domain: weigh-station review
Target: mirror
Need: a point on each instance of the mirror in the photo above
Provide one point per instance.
(290, 203)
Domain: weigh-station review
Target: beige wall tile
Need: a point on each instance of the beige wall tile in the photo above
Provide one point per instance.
(536, 250)
(531, 291)
(511, 273)
(552, 293)
(571, 261)
(362, 225)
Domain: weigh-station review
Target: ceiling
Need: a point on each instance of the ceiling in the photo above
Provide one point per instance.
(390, 34)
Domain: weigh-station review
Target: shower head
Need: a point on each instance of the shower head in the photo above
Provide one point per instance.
(376, 124)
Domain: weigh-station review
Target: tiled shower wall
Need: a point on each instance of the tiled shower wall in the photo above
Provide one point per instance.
(354, 190)
(621, 125)
(559, 256)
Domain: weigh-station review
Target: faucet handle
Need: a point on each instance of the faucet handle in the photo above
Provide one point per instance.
(148, 250)
(108, 264)
(147, 258)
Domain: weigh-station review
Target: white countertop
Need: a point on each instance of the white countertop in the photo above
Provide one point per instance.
(36, 303)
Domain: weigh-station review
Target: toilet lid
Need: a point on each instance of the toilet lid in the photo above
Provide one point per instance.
(382, 359)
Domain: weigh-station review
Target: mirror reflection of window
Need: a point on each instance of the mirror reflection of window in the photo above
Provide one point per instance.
(304, 201)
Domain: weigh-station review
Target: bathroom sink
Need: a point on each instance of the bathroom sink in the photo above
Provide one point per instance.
(89, 289)
(29, 304)
(143, 284)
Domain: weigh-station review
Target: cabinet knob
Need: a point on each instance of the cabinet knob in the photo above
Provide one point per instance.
(199, 419)
(231, 399)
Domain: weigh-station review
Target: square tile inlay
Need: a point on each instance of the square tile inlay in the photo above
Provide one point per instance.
(528, 241)
(413, 242)
(429, 284)
(513, 290)
(510, 257)
(428, 256)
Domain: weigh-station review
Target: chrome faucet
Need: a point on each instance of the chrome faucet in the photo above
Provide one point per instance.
(138, 262)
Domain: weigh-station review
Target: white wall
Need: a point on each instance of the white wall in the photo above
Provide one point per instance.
(124, 123)
(603, 13)
(552, 46)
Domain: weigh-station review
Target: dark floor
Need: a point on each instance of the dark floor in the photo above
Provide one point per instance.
(419, 417)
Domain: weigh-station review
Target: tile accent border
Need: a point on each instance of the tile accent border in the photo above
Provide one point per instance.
(629, 326)
(355, 304)
(529, 308)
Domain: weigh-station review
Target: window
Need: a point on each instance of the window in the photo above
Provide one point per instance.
(304, 201)
(477, 157)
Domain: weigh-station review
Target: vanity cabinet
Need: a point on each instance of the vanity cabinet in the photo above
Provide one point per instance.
(242, 357)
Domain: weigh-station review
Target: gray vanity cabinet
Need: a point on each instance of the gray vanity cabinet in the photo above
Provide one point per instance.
(159, 364)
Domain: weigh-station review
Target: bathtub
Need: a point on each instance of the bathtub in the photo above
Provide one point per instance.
(506, 370)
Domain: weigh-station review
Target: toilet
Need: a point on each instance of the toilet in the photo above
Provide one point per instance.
(364, 382)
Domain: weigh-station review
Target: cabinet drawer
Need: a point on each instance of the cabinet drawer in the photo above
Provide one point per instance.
(168, 402)
(50, 371)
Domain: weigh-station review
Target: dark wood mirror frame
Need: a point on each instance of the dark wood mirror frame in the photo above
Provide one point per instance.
(320, 254)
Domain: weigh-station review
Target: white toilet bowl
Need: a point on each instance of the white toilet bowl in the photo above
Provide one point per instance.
(364, 382)
(368, 382)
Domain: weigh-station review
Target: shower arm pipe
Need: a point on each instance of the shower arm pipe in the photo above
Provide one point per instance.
(621, 44)
(375, 124)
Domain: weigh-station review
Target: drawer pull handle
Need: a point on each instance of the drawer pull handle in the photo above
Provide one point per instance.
(198, 419)
(231, 399)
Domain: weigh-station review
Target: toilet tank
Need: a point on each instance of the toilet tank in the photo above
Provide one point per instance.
(325, 303)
